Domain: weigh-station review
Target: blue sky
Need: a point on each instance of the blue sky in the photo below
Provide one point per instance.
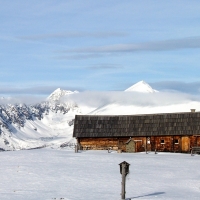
(105, 45)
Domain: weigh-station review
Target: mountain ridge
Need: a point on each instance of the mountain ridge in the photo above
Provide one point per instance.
(58, 93)
(142, 87)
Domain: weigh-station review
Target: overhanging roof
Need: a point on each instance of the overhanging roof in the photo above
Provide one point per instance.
(137, 125)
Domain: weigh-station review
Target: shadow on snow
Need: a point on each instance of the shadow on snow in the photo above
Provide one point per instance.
(152, 194)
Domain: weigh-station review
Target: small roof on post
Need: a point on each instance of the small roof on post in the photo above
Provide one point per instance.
(127, 167)
(124, 162)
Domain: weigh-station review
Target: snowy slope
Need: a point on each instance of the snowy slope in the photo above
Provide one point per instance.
(141, 86)
(47, 123)
(117, 109)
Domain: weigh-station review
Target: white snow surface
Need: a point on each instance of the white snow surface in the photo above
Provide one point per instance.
(116, 109)
(52, 130)
(48, 174)
(141, 86)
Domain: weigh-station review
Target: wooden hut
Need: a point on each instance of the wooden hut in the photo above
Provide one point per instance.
(170, 132)
(130, 146)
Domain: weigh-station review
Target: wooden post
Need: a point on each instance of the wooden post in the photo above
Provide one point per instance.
(77, 145)
(124, 170)
(76, 148)
(146, 146)
(123, 181)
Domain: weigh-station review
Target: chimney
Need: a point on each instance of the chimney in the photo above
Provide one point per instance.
(192, 110)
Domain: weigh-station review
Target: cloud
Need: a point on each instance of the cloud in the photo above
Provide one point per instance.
(74, 35)
(105, 66)
(94, 99)
(27, 99)
(80, 56)
(37, 90)
(99, 99)
(110, 50)
(190, 88)
(9, 90)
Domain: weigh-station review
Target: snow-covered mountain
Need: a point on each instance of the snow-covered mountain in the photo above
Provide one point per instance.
(141, 98)
(141, 86)
(50, 123)
(58, 93)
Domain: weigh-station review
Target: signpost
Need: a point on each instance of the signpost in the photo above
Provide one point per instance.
(124, 170)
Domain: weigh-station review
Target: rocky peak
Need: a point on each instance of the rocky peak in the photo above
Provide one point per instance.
(142, 87)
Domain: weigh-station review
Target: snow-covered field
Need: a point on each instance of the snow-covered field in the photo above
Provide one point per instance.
(94, 175)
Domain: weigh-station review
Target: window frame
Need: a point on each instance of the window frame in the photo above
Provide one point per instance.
(162, 142)
(176, 141)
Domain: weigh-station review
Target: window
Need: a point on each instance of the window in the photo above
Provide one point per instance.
(176, 141)
(162, 141)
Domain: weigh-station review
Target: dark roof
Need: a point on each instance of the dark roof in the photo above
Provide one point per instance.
(137, 125)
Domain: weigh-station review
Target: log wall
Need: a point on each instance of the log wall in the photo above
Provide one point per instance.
(160, 143)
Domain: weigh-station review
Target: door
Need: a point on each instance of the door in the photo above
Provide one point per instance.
(139, 147)
(148, 144)
(185, 144)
